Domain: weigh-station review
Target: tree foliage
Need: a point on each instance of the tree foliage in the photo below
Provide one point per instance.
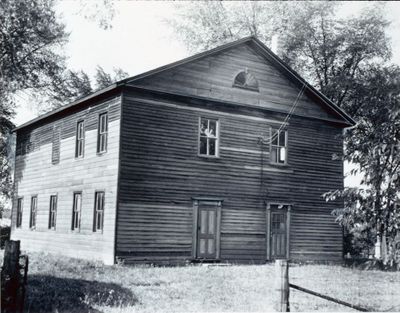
(374, 145)
(29, 38)
(72, 85)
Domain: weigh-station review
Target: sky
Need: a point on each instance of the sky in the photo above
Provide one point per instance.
(140, 40)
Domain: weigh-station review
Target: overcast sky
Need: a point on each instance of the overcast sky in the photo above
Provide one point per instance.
(140, 40)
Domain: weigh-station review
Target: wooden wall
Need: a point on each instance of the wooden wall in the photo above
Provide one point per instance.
(161, 172)
(36, 175)
(213, 76)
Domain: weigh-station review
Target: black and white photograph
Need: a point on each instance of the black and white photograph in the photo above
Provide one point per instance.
(199, 156)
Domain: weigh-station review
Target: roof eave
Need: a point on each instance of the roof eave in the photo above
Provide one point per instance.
(70, 105)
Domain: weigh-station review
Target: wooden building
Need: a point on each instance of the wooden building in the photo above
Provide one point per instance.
(222, 156)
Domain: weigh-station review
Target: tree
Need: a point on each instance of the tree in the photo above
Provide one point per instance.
(104, 79)
(29, 37)
(374, 144)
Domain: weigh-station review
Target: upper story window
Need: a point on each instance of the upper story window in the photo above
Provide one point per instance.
(19, 212)
(246, 80)
(80, 139)
(53, 212)
(32, 221)
(278, 146)
(98, 211)
(209, 137)
(102, 133)
(76, 211)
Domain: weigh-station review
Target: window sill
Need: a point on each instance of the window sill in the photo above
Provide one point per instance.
(208, 156)
(246, 88)
(279, 164)
(101, 153)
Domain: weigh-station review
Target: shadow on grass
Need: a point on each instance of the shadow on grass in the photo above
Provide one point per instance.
(54, 294)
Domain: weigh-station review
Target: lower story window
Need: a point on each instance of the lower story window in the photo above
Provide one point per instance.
(32, 221)
(98, 211)
(19, 212)
(76, 211)
(53, 212)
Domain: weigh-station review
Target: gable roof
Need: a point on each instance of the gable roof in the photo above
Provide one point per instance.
(256, 43)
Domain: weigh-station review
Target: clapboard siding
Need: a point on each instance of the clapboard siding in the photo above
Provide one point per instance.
(153, 176)
(213, 76)
(161, 172)
(36, 175)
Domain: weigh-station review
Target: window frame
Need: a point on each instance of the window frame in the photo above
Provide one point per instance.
(271, 146)
(96, 211)
(100, 133)
(76, 228)
(244, 86)
(217, 137)
(18, 220)
(53, 212)
(33, 215)
(78, 140)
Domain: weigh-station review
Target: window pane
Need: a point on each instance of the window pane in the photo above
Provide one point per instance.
(240, 78)
(99, 220)
(80, 130)
(212, 131)
(203, 145)
(203, 127)
(212, 145)
(274, 137)
(282, 155)
(282, 138)
(274, 151)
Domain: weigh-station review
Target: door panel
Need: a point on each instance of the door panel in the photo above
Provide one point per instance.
(206, 234)
(278, 235)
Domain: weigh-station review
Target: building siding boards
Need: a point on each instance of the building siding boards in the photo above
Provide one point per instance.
(152, 172)
(35, 174)
(213, 76)
(161, 172)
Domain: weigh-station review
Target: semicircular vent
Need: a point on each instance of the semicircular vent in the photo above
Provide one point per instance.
(246, 80)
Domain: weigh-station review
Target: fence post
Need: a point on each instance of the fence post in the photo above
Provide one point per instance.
(282, 286)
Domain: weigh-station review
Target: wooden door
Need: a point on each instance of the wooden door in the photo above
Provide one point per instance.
(278, 235)
(207, 232)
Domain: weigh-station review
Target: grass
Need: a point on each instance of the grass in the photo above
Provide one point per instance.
(58, 284)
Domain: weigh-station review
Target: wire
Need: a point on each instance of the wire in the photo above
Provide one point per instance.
(287, 118)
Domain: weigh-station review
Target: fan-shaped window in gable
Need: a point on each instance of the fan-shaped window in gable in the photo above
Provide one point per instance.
(246, 80)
